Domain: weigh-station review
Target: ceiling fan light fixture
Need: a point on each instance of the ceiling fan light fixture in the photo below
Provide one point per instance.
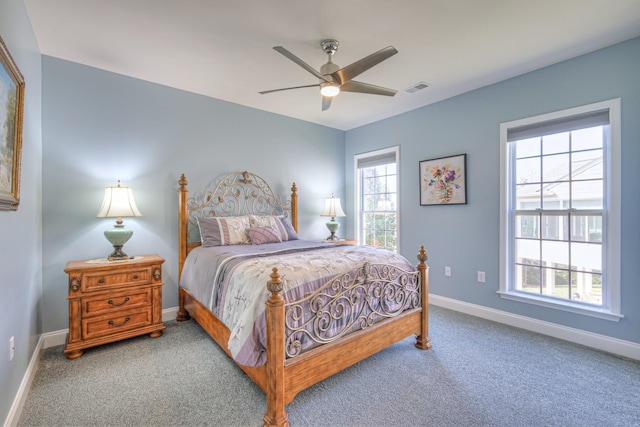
(329, 89)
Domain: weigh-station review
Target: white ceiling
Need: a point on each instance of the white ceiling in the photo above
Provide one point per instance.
(223, 48)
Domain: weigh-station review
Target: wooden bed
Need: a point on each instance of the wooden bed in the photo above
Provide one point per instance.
(282, 378)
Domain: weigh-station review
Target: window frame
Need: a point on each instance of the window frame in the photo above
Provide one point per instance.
(358, 196)
(611, 215)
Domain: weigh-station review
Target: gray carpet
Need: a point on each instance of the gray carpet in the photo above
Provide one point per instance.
(479, 373)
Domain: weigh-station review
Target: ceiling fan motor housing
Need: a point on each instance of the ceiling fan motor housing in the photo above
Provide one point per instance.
(326, 71)
(329, 68)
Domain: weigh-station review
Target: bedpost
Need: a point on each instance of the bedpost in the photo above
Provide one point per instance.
(275, 415)
(183, 222)
(183, 240)
(423, 342)
(294, 206)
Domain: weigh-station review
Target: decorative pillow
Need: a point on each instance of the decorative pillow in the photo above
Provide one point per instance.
(222, 231)
(270, 221)
(291, 232)
(262, 235)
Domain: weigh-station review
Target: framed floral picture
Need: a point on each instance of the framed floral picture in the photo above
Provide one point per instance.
(443, 181)
(11, 110)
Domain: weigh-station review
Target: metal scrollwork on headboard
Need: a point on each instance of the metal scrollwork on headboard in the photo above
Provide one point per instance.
(238, 193)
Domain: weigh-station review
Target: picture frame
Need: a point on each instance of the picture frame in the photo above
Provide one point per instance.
(443, 181)
(11, 115)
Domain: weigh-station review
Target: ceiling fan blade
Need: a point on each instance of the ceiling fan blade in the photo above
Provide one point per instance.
(345, 74)
(300, 62)
(353, 86)
(286, 88)
(326, 103)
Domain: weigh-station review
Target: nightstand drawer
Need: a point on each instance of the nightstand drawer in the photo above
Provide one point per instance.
(342, 242)
(109, 325)
(94, 282)
(112, 303)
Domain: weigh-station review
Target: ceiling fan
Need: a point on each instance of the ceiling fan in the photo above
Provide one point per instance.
(334, 79)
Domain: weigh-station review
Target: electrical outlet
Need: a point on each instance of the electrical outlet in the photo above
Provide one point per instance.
(12, 348)
(481, 276)
(447, 271)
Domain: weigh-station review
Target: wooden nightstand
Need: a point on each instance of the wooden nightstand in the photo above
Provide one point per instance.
(342, 242)
(113, 300)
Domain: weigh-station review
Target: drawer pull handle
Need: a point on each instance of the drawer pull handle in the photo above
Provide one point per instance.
(101, 281)
(118, 305)
(126, 319)
(135, 276)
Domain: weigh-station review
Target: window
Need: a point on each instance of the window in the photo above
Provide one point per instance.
(377, 198)
(560, 210)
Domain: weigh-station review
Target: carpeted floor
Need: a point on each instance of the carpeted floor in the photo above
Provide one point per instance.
(479, 373)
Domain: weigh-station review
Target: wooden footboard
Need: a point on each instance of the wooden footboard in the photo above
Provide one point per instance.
(286, 378)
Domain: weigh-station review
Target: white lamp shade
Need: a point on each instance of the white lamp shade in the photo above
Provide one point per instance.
(118, 202)
(332, 208)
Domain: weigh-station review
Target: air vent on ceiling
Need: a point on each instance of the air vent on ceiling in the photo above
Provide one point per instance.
(416, 87)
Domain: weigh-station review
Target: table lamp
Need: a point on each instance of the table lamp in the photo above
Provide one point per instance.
(332, 209)
(118, 203)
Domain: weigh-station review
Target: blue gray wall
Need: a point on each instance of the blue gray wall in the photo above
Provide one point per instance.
(20, 231)
(466, 237)
(100, 127)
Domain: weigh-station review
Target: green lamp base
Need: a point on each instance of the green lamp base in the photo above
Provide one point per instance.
(118, 236)
(333, 227)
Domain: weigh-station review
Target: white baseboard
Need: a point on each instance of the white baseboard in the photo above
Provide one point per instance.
(50, 339)
(601, 342)
(169, 314)
(25, 386)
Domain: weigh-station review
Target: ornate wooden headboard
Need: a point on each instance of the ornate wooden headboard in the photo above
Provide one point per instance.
(237, 193)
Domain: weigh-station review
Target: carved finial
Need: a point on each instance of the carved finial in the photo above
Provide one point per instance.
(422, 255)
(275, 284)
(245, 178)
(183, 181)
(294, 188)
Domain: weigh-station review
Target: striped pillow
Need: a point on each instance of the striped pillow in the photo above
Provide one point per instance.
(262, 235)
(270, 221)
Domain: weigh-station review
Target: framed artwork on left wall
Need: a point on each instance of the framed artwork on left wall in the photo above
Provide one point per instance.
(11, 112)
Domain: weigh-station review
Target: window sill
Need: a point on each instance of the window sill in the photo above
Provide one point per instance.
(562, 305)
